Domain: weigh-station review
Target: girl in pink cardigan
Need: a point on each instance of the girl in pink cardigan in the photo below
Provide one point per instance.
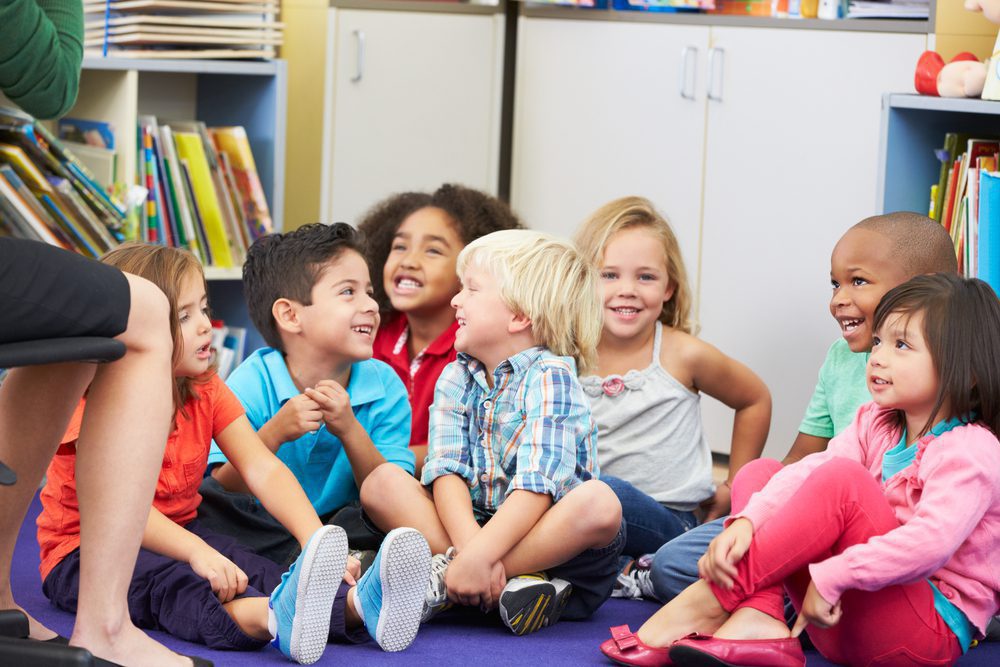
(887, 541)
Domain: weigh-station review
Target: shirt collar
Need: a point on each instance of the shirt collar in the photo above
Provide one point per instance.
(517, 364)
(359, 390)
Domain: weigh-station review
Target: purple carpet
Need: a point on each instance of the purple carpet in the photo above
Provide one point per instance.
(454, 638)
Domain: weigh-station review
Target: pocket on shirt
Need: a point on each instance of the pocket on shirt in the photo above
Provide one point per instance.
(510, 428)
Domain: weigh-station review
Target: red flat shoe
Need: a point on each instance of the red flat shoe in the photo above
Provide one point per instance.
(625, 648)
(705, 651)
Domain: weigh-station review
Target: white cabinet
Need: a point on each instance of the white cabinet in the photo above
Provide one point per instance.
(606, 109)
(791, 163)
(412, 101)
(760, 174)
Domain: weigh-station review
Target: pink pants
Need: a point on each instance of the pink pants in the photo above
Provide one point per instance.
(839, 505)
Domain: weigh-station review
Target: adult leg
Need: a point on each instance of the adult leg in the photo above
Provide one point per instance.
(650, 524)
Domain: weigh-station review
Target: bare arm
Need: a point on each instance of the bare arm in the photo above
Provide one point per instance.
(516, 517)
(454, 508)
(419, 453)
(803, 446)
(269, 479)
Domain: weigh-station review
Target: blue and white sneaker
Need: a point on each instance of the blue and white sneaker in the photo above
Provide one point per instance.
(299, 616)
(391, 592)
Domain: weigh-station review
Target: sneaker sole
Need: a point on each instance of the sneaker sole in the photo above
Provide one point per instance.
(525, 610)
(404, 570)
(322, 570)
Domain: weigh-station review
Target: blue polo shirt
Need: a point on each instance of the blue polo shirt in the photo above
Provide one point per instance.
(263, 384)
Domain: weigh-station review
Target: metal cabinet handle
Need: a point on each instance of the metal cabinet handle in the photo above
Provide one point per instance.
(359, 70)
(686, 67)
(716, 53)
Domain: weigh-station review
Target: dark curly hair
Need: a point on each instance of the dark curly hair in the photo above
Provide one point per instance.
(287, 266)
(473, 214)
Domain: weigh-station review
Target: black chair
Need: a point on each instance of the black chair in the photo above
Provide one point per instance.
(56, 351)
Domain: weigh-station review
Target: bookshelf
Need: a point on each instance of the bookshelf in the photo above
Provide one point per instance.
(248, 93)
(913, 126)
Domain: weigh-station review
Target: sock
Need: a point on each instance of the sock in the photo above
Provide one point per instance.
(357, 605)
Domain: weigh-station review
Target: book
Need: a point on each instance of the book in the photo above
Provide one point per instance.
(102, 162)
(96, 133)
(189, 147)
(39, 228)
(199, 226)
(989, 229)
(234, 143)
(950, 194)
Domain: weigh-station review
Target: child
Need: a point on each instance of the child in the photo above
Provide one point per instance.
(47, 292)
(509, 487)
(871, 258)
(196, 584)
(883, 541)
(318, 400)
(415, 238)
(649, 378)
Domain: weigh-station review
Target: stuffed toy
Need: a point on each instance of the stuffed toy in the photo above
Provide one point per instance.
(964, 75)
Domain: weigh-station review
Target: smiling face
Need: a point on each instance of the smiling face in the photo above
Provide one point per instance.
(901, 371)
(195, 325)
(862, 270)
(484, 319)
(343, 316)
(419, 275)
(634, 282)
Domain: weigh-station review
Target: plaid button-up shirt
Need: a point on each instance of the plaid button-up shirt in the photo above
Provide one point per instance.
(532, 430)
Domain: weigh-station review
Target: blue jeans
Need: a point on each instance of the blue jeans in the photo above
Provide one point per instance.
(675, 565)
(649, 523)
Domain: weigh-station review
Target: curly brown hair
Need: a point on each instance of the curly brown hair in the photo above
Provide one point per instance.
(472, 213)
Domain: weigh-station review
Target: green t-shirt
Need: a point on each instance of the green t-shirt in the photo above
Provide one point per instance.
(842, 389)
(40, 54)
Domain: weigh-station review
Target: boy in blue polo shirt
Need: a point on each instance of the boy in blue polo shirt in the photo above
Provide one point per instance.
(317, 399)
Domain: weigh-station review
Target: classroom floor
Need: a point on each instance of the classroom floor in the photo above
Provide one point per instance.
(455, 638)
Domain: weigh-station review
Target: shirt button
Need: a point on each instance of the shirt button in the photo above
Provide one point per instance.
(484, 478)
(487, 404)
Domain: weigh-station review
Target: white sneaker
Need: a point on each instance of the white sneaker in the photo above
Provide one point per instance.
(636, 585)
(436, 599)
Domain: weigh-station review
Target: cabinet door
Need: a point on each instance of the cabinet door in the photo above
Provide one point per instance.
(791, 163)
(599, 115)
(413, 102)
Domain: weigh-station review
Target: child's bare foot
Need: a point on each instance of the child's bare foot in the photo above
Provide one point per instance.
(749, 623)
(130, 646)
(695, 610)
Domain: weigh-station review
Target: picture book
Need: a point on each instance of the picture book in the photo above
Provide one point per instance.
(189, 147)
(234, 143)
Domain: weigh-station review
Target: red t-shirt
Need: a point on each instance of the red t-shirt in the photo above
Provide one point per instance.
(177, 496)
(418, 374)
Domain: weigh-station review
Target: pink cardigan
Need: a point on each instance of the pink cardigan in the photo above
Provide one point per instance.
(947, 502)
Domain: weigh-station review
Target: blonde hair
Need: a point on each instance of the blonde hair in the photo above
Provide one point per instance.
(638, 213)
(545, 279)
(167, 268)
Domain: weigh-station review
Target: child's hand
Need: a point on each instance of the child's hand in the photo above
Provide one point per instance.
(719, 504)
(335, 404)
(470, 582)
(718, 565)
(298, 416)
(226, 579)
(353, 571)
(817, 611)
(498, 579)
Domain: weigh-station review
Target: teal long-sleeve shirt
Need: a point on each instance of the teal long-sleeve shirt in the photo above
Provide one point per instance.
(41, 48)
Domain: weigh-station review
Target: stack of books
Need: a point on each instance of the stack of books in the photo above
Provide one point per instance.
(966, 200)
(182, 28)
(203, 190)
(47, 194)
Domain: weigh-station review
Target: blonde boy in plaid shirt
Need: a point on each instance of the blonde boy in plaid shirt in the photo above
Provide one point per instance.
(509, 498)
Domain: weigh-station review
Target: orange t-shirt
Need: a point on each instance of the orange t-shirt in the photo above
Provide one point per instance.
(184, 463)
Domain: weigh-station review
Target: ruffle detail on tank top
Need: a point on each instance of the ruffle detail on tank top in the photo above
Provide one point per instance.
(613, 385)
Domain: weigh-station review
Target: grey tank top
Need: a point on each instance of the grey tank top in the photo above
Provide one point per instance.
(649, 433)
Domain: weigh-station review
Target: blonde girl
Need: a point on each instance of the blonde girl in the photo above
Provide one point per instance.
(651, 372)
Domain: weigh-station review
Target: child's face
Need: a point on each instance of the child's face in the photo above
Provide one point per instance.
(634, 282)
(343, 317)
(862, 270)
(196, 327)
(901, 371)
(483, 317)
(419, 275)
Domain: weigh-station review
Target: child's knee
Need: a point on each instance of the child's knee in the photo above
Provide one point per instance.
(380, 484)
(603, 515)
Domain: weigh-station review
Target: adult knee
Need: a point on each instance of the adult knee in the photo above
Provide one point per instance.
(149, 318)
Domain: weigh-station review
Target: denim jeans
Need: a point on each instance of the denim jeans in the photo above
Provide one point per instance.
(650, 524)
(675, 565)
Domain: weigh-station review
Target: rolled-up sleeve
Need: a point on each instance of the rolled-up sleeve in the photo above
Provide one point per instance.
(554, 418)
(448, 433)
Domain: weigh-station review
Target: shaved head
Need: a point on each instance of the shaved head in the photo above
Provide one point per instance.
(919, 244)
